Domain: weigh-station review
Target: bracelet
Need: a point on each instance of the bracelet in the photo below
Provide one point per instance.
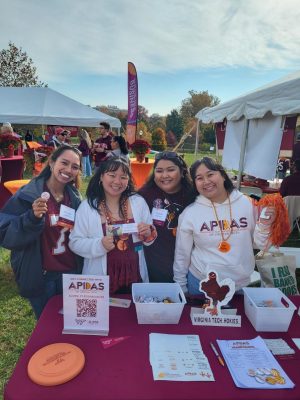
(152, 236)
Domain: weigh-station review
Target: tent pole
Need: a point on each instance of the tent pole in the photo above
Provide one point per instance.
(243, 150)
(197, 139)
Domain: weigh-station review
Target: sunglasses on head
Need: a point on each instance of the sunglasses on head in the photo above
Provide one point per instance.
(167, 155)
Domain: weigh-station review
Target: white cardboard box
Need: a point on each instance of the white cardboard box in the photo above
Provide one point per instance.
(158, 313)
(268, 319)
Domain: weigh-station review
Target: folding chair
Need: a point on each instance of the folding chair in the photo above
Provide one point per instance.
(293, 205)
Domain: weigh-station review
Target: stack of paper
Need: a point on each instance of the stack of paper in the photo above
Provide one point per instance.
(252, 365)
(279, 347)
(178, 358)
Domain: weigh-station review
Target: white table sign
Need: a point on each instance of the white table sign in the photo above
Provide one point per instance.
(227, 318)
(86, 304)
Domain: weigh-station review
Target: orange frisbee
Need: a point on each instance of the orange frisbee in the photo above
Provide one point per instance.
(55, 364)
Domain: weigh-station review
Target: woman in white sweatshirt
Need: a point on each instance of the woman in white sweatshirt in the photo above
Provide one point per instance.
(218, 231)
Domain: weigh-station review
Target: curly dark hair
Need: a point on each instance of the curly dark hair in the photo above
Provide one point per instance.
(95, 192)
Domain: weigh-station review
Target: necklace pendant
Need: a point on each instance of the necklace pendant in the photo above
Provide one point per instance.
(224, 247)
(122, 245)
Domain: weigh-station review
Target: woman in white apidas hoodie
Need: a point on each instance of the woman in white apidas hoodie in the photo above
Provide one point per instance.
(218, 231)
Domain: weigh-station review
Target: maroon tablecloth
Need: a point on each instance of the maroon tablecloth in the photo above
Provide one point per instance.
(12, 168)
(123, 371)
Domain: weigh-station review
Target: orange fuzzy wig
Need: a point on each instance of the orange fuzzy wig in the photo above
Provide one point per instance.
(280, 229)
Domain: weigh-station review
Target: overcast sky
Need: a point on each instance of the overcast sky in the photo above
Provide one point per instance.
(228, 47)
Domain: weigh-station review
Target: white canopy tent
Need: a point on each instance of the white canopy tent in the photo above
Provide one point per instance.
(44, 106)
(278, 99)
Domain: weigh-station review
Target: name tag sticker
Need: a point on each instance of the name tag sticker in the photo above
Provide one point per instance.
(159, 215)
(66, 216)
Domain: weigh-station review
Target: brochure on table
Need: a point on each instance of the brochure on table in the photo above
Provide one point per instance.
(178, 358)
(219, 293)
(252, 365)
(86, 304)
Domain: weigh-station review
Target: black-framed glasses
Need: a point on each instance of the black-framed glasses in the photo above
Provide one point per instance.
(168, 155)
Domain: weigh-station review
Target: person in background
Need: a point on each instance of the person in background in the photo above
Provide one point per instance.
(290, 186)
(28, 136)
(119, 148)
(85, 147)
(168, 191)
(30, 228)
(296, 149)
(283, 165)
(103, 144)
(6, 128)
(91, 152)
(59, 138)
(68, 137)
(111, 202)
(218, 230)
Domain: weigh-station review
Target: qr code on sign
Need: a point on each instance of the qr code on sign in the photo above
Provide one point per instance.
(86, 307)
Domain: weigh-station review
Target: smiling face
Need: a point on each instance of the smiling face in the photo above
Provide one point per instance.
(167, 176)
(65, 168)
(210, 183)
(114, 182)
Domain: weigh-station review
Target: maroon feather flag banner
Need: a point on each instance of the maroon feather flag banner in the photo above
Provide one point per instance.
(132, 117)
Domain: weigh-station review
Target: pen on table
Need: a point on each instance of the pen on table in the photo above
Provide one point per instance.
(220, 359)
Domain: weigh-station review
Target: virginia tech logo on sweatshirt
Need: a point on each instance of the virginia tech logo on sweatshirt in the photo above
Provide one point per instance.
(224, 224)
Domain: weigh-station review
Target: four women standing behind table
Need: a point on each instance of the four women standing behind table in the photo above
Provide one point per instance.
(30, 228)
(111, 203)
(168, 191)
(218, 230)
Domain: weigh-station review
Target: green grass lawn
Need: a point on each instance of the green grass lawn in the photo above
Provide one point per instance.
(16, 320)
(16, 317)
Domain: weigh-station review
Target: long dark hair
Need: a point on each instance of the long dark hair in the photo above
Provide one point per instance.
(46, 172)
(186, 182)
(212, 165)
(122, 144)
(95, 192)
